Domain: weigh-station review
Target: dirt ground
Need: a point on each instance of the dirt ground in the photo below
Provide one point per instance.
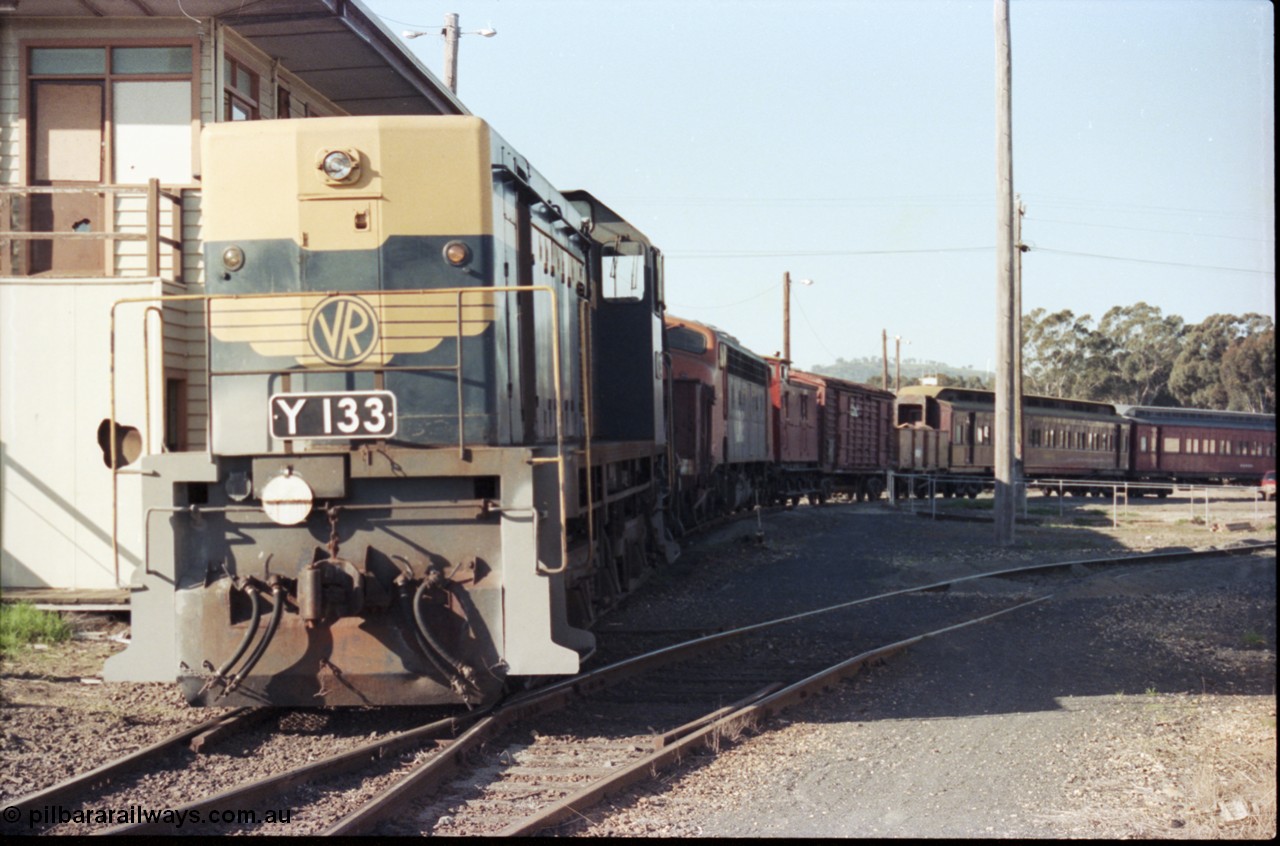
(1136, 702)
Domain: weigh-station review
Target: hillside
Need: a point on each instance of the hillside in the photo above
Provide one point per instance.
(869, 370)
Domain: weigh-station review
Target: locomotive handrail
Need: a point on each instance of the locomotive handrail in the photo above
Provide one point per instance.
(459, 293)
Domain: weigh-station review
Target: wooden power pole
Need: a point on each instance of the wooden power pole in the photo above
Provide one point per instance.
(1005, 493)
(884, 359)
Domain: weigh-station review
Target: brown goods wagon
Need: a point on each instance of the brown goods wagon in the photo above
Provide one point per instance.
(855, 427)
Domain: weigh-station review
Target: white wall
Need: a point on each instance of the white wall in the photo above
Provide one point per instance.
(55, 489)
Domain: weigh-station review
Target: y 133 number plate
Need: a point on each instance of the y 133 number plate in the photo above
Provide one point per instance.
(346, 414)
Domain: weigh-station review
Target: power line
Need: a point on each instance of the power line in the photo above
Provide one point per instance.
(1149, 261)
(808, 253)
(814, 331)
(876, 202)
(1155, 231)
(728, 305)
(1131, 207)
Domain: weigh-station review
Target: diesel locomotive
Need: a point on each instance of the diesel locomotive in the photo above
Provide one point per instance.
(419, 483)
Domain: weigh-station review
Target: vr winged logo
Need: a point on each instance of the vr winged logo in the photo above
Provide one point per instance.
(344, 330)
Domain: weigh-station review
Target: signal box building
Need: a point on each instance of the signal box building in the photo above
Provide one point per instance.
(101, 106)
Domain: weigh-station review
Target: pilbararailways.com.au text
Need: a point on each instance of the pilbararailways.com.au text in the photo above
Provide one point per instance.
(137, 814)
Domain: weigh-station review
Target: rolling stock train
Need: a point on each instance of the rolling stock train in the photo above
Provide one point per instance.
(449, 423)
(948, 431)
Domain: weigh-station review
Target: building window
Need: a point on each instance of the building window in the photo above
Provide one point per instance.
(240, 91)
(133, 103)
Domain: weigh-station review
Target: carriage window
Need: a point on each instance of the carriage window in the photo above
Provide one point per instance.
(959, 436)
(1173, 445)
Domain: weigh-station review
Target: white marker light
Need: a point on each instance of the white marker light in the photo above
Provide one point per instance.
(287, 499)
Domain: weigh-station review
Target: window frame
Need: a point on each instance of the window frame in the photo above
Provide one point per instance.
(107, 78)
(232, 67)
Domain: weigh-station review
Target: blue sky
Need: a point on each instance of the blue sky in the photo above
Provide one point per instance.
(852, 142)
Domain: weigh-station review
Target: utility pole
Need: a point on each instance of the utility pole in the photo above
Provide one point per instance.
(451, 33)
(884, 359)
(786, 314)
(1004, 511)
(786, 317)
(897, 363)
(1018, 445)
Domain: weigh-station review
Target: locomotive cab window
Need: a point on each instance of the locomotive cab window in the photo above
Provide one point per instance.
(686, 340)
(625, 277)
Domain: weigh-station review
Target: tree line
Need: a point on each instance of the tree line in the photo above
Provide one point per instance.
(1136, 355)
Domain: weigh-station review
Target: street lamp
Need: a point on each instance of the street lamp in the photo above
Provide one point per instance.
(451, 33)
(786, 314)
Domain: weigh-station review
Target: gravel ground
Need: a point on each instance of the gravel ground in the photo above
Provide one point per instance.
(1137, 702)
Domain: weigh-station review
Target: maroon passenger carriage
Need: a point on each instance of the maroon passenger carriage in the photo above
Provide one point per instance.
(1194, 445)
(950, 431)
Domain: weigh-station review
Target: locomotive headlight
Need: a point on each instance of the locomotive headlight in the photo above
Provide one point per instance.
(457, 253)
(340, 165)
(233, 258)
(287, 499)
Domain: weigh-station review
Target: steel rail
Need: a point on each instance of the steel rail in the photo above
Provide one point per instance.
(522, 706)
(433, 773)
(246, 795)
(104, 773)
(714, 732)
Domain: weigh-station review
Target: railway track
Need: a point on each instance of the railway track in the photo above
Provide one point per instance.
(529, 763)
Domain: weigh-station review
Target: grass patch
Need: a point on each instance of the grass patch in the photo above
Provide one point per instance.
(22, 624)
(1252, 638)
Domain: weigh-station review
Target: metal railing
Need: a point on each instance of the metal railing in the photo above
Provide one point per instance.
(1200, 497)
(16, 205)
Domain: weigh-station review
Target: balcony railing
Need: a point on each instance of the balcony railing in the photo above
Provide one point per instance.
(46, 232)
